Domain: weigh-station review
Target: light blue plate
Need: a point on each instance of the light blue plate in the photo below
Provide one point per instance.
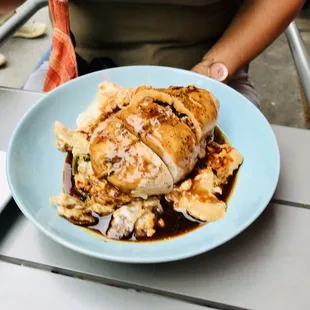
(35, 166)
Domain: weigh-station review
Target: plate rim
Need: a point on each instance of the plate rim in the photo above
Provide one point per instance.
(140, 260)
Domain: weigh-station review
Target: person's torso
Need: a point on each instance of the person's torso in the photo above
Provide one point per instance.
(177, 2)
(173, 33)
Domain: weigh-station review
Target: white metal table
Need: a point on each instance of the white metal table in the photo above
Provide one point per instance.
(265, 267)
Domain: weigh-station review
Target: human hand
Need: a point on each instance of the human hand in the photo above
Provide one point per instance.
(216, 71)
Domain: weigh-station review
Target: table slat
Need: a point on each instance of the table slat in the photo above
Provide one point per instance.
(28, 289)
(266, 267)
(13, 105)
(294, 181)
(5, 193)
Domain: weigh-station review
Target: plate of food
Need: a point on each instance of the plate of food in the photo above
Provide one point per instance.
(143, 164)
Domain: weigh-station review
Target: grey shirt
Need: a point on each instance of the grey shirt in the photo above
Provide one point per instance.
(175, 2)
(174, 33)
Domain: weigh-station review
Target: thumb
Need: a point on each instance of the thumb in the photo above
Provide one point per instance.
(216, 71)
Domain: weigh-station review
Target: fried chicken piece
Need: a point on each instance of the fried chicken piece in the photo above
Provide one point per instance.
(196, 107)
(224, 160)
(164, 133)
(197, 197)
(70, 140)
(110, 99)
(139, 217)
(144, 226)
(127, 162)
(104, 197)
(123, 222)
(74, 210)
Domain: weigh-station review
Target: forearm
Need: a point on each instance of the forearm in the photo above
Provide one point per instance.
(9, 5)
(258, 23)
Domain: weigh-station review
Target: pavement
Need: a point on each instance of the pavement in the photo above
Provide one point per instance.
(273, 72)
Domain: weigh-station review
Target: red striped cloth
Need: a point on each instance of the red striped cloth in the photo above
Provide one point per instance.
(63, 63)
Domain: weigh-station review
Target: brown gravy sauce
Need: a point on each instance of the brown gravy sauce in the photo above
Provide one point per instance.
(176, 223)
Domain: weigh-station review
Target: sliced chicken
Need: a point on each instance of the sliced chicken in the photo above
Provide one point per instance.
(196, 107)
(74, 210)
(197, 197)
(69, 139)
(161, 130)
(200, 105)
(104, 197)
(110, 99)
(127, 162)
(224, 160)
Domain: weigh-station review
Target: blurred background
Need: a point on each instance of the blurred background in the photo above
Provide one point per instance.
(273, 73)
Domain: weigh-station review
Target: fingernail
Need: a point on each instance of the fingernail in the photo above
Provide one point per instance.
(219, 72)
